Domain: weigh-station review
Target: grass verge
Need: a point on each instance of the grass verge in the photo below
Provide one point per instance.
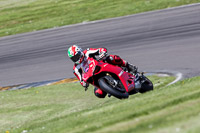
(19, 16)
(67, 108)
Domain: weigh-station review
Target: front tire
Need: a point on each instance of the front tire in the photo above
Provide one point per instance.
(105, 86)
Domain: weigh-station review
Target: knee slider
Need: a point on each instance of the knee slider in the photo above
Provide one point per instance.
(117, 58)
(99, 93)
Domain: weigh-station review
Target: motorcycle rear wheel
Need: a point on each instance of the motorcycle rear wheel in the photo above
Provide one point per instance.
(105, 86)
(147, 85)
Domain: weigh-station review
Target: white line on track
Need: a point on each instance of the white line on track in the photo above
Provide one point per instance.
(178, 77)
(176, 74)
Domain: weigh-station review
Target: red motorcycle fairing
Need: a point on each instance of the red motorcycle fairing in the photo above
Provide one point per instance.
(93, 67)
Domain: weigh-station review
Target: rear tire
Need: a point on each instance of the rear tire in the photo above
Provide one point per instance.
(147, 85)
(105, 86)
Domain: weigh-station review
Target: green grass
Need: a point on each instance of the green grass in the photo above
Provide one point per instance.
(19, 16)
(67, 108)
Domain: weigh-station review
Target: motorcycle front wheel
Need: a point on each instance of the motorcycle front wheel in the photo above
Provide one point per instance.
(105, 86)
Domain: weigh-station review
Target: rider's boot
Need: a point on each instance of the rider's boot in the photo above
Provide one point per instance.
(116, 60)
(131, 68)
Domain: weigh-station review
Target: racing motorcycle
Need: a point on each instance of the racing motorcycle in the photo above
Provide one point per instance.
(114, 80)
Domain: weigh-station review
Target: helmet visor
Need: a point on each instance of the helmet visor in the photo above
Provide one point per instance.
(76, 57)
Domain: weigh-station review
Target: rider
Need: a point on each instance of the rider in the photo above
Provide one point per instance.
(77, 55)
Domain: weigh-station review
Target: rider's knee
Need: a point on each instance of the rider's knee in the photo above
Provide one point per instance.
(99, 93)
(115, 60)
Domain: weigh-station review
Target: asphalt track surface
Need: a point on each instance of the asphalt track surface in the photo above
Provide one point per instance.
(166, 40)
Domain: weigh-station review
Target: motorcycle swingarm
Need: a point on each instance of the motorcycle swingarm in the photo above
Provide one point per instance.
(113, 83)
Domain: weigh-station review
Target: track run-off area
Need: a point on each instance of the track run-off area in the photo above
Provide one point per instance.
(164, 40)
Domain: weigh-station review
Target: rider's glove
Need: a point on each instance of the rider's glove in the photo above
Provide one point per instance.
(103, 54)
(85, 85)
